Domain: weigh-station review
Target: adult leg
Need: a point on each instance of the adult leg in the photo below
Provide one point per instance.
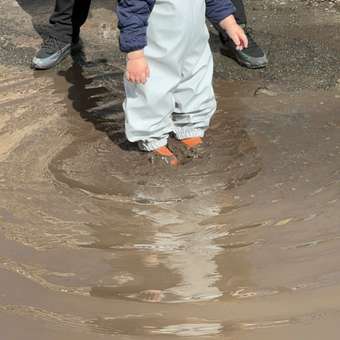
(240, 14)
(148, 109)
(66, 20)
(251, 57)
(61, 20)
(79, 16)
(195, 99)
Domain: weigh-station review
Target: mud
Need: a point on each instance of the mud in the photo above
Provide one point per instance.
(98, 243)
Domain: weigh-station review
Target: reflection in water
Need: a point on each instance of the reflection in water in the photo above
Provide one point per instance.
(184, 257)
(188, 261)
(192, 257)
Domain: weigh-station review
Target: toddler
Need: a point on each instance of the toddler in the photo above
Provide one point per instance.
(168, 81)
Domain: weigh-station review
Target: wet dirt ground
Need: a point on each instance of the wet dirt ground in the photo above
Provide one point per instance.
(96, 243)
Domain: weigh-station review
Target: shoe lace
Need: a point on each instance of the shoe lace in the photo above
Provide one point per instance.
(249, 32)
(51, 44)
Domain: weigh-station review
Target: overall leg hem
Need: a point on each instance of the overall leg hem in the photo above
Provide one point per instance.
(186, 132)
(150, 145)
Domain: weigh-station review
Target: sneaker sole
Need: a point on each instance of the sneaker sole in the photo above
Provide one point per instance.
(251, 65)
(259, 63)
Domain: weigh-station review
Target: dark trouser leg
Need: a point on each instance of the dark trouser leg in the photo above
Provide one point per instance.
(252, 56)
(67, 18)
(240, 13)
(80, 13)
(240, 16)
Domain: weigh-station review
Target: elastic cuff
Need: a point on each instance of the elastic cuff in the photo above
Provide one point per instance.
(150, 145)
(182, 133)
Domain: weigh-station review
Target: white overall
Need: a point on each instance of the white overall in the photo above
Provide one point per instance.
(178, 97)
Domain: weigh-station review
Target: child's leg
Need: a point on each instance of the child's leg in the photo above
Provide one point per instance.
(177, 35)
(195, 99)
(148, 110)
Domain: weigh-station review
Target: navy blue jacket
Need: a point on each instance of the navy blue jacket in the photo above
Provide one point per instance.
(133, 16)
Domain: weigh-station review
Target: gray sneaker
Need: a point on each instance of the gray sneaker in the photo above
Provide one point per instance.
(51, 53)
(252, 57)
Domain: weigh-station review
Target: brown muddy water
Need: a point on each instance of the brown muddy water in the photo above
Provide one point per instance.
(96, 243)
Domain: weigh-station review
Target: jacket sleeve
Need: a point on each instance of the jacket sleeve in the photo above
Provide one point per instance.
(133, 18)
(217, 10)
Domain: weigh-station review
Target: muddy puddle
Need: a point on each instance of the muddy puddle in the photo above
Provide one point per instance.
(97, 243)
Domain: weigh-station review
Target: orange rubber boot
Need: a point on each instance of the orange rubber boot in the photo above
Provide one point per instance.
(193, 142)
(166, 155)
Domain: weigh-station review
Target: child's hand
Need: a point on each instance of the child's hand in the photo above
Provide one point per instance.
(235, 32)
(137, 68)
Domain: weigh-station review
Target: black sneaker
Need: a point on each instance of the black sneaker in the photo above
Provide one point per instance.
(52, 52)
(252, 56)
